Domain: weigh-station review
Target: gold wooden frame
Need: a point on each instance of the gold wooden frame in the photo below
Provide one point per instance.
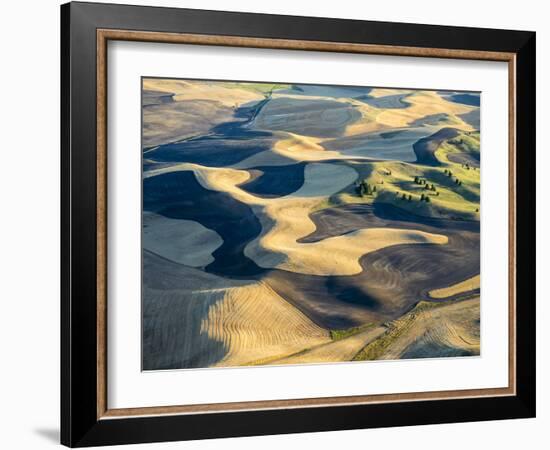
(103, 36)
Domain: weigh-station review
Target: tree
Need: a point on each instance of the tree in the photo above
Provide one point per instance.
(416, 180)
(364, 188)
(422, 197)
(427, 199)
(410, 197)
(403, 196)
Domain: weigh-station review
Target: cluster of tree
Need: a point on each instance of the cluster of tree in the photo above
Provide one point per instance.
(450, 174)
(408, 197)
(430, 187)
(421, 181)
(418, 180)
(363, 188)
(466, 166)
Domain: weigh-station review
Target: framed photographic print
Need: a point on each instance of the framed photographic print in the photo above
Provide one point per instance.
(276, 224)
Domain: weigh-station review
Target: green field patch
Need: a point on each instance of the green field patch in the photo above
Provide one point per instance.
(378, 347)
(337, 335)
(451, 191)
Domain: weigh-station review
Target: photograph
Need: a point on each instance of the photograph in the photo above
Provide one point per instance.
(290, 223)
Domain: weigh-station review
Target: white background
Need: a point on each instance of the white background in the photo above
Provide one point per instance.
(129, 387)
(29, 238)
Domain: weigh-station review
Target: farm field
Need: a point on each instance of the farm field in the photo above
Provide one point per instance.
(297, 224)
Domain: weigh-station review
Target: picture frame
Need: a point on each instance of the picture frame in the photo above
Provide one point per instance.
(86, 30)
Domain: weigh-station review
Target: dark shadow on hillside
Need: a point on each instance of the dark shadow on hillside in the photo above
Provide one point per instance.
(426, 147)
(172, 334)
(223, 145)
(178, 195)
(396, 277)
(276, 181)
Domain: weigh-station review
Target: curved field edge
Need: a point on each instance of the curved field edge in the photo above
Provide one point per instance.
(338, 350)
(429, 330)
(192, 319)
(470, 284)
